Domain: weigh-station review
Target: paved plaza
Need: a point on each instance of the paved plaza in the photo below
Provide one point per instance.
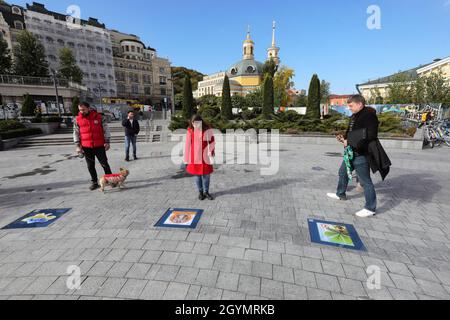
(252, 242)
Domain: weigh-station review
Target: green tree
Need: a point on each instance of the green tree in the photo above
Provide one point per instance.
(29, 56)
(227, 106)
(253, 100)
(270, 67)
(282, 82)
(301, 101)
(437, 88)
(188, 99)
(5, 57)
(178, 75)
(375, 96)
(239, 102)
(268, 97)
(28, 107)
(399, 90)
(75, 104)
(68, 68)
(325, 92)
(313, 111)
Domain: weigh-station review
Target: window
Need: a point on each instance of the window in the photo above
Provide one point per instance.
(52, 58)
(110, 77)
(102, 76)
(109, 65)
(111, 91)
(61, 42)
(36, 20)
(162, 70)
(94, 75)
(162, 80)
(127, 48)
(100, 49)
(135, 89)
(148, 90)
(18, 25)
(17, 10)
(81, 46)
(133, 49)
(108, 51)
(163, 92)
(50, 40)
(90, 48)
(101, 64)
(71, 44)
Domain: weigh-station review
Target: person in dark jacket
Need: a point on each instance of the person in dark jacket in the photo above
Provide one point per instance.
(91, 136)
(362, 136)
(132, 130)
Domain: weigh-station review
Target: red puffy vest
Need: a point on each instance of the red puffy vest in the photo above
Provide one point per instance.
(91, 130)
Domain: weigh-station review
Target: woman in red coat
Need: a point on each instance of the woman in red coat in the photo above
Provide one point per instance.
(199, 153)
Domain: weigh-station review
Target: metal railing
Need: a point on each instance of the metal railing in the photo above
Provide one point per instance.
(32, 81)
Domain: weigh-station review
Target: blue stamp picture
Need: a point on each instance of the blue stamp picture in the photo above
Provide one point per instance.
(180, 218)
(37, 219)
(335, 234)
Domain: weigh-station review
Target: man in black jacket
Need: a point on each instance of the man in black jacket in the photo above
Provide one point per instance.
(362, 133)
(132, 129)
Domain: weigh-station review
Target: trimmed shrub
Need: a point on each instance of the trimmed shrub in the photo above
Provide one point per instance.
(8, 125)
(19, 133)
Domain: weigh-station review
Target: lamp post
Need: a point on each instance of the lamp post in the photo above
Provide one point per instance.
(55, 82)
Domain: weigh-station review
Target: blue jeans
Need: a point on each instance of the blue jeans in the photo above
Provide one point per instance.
(362, 169)
(130, 140)
(203, 183)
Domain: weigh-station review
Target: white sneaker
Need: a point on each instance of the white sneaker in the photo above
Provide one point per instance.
(364, 213)
(335, 197)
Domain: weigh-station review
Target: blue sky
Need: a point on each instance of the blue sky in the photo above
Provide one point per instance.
(327, 37)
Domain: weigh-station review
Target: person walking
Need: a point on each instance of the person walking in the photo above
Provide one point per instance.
(361, 140)
(198, 155)
(132, 130)
(91, 136)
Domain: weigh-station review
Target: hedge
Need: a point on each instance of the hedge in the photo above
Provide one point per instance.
(19, 133)
(8, 125)
(47, 120)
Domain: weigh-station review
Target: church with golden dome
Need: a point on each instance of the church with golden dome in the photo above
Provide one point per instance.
(245, 75)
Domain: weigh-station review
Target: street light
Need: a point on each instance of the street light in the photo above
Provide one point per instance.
(55, 82)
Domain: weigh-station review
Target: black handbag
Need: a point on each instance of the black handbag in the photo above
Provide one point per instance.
(355, 137)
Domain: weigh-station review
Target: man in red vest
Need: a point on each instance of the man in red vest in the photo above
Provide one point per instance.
(92, 138)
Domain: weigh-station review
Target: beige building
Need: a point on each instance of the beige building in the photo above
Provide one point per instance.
(374, 89)
(11, 23)
(140, 73)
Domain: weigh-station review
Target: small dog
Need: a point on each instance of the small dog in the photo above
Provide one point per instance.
(114, 180)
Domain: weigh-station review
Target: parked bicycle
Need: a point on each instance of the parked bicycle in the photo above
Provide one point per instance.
(436, 133)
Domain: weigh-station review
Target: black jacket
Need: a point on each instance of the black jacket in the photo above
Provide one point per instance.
(378, 159)
(370, 145)
(131, 130)
(365, 119)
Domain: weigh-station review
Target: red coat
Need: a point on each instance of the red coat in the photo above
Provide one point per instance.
(91, 130)
(196, 153)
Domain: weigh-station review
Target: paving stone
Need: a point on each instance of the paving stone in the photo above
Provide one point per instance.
(154, 290)
(138, 271)
(119, 269)
(312, 265)
(272, 289)
(207, 278)
(132, 289)
(405, 283)
(249, 285)
(328, 283)
(111, 288)
(210, 294)
(204, 262)
(305, 278)
(262, 270)
(283, 274)
(176, 291)
(187, 275)
(333, 268)
(318, 295)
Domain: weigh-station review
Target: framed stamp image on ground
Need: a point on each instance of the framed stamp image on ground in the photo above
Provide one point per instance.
(180, 218)
(37, 219)
(335, 234)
